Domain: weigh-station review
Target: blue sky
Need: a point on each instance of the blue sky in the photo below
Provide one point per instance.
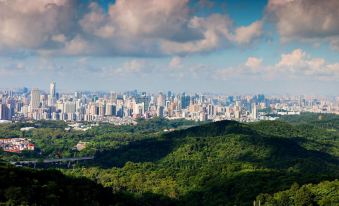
(231, 47)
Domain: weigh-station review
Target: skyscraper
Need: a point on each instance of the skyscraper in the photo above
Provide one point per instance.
(160, 111)
(52, 89)
(35, 98)
(4, 112)
(52, 97)
(254, 111)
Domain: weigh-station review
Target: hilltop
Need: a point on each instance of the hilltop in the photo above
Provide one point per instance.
(223, 163)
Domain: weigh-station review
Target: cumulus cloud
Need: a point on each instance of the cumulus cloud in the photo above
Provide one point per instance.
(308, 20)
(126, 28)
(252, 68)
(296, 64)
(214, 28)
(134, 67)
(37, 24)
(253, 62)
(246, 34)
(217, 31)
(295, 58)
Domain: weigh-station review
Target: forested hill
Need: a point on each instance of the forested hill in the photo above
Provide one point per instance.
(221, 163)
(25, 186)
(324, 193)
(20, 186)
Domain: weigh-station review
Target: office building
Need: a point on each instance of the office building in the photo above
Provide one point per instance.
(35, 99)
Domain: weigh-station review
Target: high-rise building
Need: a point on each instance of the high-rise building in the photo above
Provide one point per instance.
(4, 112)
(161, 99)
(102, 108)
(52, 97)
(210, 110)
(35, 99)
(185, 101)
(77, 95)
(254, 111)
(52, 89)
(69, 107)
(160, 111)
(110, 109)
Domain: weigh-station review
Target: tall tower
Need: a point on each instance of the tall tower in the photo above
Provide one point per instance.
(35, 98)
(254, 111)
(52, 89)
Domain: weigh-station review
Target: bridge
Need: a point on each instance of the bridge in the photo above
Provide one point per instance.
(70, 159)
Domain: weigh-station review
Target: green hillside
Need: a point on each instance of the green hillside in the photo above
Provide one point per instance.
(31, 187)
(324, 193)
(222, 163)
(24, 186)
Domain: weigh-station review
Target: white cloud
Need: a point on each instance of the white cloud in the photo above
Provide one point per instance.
(32, 25)
(217, 33)
(76, 46)
(299, 63)
(246, 34)
(166, 19)
(133, 67)
(127, 28)
(293, 59)
(296, 64)
(253, 62)
(214, 28)
(306, 20)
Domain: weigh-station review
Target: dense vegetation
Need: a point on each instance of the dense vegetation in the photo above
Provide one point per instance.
(328, 121)
(20, 186)
(53, 141)
(324, 193)
(221, 163)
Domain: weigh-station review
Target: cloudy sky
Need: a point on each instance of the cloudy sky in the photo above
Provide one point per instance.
(228, 46)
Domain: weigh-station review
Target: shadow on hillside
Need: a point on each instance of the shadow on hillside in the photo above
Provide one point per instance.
(152, 150)
(285, 152)
(148, 150)
(23, 186)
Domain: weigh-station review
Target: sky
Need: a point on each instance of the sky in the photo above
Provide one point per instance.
(226, 46)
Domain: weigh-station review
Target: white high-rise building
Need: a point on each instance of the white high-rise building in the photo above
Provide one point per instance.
(35, 99)
(52, 95)
(69, 107)
(52, 89)
(254, 111)
(161, 99)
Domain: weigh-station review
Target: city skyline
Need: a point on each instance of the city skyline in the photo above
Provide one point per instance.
(246, 47)
(125, 108)
(46, 90)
